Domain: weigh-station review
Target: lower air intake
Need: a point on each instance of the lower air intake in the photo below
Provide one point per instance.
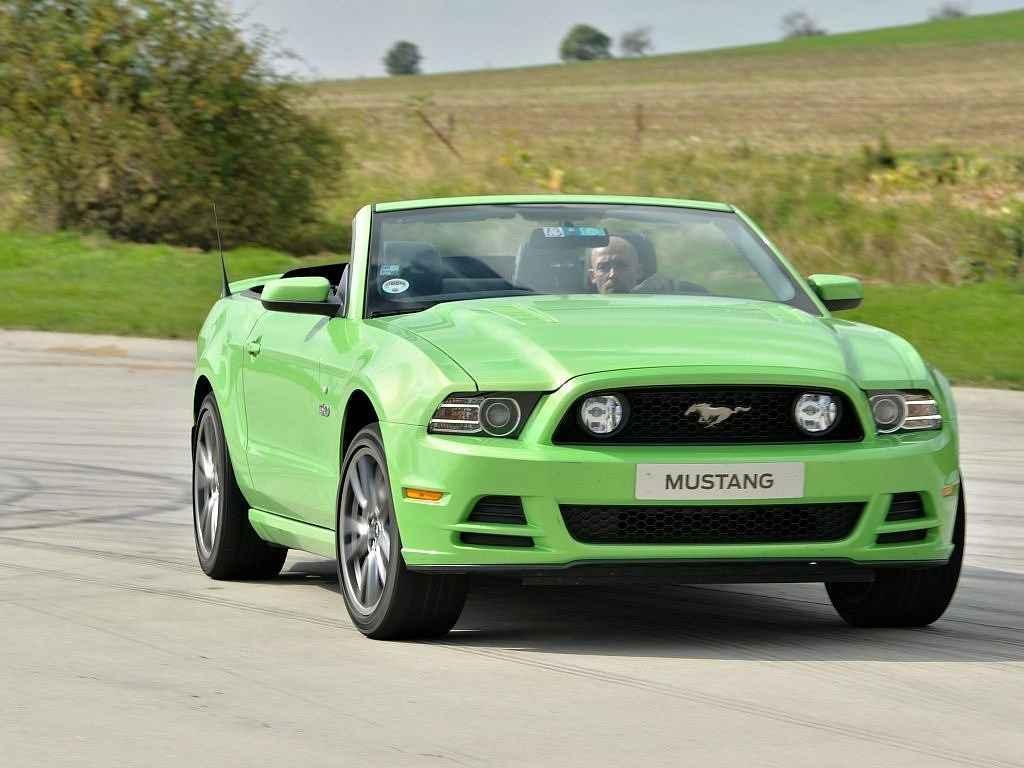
(506, 510)
(749, 524)
(902, 537)
(495, 540)
(905, 506)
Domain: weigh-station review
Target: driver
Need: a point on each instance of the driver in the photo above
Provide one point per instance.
(615, 268)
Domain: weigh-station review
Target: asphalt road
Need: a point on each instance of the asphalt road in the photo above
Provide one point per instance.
(115, 649)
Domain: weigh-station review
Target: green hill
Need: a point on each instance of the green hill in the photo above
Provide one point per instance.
(956, 82)
(1005, 27)
(990, 29)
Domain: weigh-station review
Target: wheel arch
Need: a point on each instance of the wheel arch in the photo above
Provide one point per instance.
(360, 412)
(203, 388)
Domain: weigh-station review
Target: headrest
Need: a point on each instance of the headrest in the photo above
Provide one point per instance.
(644, 252)
(552, 264)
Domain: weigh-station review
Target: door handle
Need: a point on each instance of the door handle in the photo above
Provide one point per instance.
(253, 348)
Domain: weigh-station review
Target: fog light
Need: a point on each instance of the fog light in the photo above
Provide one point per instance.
(603, 415)
(816, 413)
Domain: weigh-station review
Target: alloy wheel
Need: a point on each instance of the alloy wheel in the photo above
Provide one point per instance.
(206, 486)
(366, 525)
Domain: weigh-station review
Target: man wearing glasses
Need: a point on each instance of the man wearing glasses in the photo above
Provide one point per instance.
(615, 268)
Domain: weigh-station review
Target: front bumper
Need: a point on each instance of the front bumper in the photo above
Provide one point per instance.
(545, 475)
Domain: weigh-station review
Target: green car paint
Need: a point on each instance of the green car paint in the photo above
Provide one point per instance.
(286, 384)
(837, 291)
(297, 289)
(443, 202)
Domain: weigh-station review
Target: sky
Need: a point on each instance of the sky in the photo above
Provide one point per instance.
(348, 38)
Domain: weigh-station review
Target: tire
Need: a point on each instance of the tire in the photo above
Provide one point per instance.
(903, 597)
(226, 543)
(385, 599)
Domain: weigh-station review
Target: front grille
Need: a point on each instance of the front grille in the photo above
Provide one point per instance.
(905, 506)
(762, 415)
(755, 524)
(505, 510)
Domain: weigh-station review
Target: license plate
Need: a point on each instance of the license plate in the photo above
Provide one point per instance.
(693, 482)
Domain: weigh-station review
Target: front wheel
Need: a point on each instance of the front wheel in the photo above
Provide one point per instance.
(385, 599)
(903, 597)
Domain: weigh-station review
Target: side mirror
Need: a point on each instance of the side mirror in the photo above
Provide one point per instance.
(301, 295)
(837, 291)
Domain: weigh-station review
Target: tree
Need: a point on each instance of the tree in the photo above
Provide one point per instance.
(130, 116)
(948, 11)
(636, 42)
(403, 58)
(800, 24)
(585, 43)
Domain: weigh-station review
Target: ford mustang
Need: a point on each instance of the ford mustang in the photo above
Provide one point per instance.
(570, 388)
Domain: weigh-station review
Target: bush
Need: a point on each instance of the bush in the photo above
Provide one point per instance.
(880, 156)
(130, 116)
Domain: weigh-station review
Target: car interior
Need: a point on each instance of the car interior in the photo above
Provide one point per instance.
(539, 264)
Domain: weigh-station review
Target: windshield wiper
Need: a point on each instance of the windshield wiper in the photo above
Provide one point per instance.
(403, 311)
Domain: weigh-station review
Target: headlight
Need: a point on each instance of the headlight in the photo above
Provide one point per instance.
(904, 411)
(499, 416)
(816, 413)
(603, 415)
(496, 414)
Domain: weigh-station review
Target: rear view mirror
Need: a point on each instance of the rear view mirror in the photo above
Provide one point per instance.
(568, 238)
(837, 291)
(302, 295)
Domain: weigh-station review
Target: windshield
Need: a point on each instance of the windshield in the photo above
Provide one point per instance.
(423, 257)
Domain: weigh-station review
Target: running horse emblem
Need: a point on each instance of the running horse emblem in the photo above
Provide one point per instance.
(711, 415)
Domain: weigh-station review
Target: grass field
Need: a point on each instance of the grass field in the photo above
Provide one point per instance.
(66, 282)
(90, 285)
(972, 333)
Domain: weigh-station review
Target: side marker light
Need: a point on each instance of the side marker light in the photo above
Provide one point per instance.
(421, 494)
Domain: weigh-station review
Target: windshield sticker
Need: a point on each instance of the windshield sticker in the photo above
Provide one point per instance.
(395, 285)
(390, 270)
(574, 232)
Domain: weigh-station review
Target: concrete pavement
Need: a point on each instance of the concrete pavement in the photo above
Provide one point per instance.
(116, 650)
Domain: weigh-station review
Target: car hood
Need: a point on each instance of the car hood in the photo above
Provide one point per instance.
(539, 342)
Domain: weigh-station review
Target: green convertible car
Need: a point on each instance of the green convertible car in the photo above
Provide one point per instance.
(569, 389)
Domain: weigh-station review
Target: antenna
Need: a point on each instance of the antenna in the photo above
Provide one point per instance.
(225, 288)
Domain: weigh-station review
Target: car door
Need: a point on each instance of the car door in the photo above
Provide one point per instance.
(281, 393)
